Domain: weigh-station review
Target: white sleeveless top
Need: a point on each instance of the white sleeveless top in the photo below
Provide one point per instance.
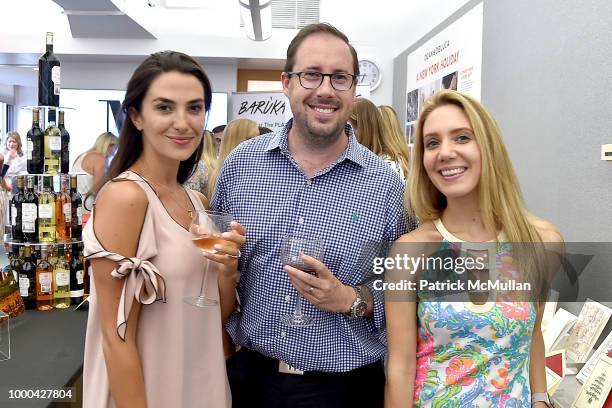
(85, 181)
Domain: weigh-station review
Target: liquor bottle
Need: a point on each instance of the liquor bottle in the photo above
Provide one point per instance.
(63, 209)
(61, 279)
(35, 146)
(7, 270)
(76, 212)
(53, 146)
(65, 139)
(15, 262)
(46, 212)
(77, 283)
(49, 76)
(44, 282)
(16, 211)
(29, 212)
(27, 279)
(52, 255)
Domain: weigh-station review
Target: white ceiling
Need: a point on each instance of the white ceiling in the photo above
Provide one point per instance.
(383, 28)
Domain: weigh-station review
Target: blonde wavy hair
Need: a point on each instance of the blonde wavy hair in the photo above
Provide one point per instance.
(500, 199)
(104, 141)
(236, 132)
(373, 133)
(394, 133)
(209, 151)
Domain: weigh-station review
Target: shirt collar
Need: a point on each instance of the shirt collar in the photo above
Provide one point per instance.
(352, 152)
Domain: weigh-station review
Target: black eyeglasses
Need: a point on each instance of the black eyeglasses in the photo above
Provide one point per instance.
(340, 81)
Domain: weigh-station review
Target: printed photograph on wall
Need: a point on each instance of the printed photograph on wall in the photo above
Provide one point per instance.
(412, 105)
(427, 91)
(410, 133)
(450, 81)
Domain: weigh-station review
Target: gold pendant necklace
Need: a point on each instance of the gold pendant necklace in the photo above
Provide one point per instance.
(158, 186)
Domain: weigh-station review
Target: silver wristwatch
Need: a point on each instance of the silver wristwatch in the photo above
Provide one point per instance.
(541, 397)
(359, 306)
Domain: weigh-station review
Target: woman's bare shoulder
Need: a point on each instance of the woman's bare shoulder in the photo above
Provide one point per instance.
(548, 231)
(122, 195)
(426, 232)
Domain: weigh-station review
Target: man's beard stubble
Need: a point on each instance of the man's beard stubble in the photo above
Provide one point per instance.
(320, 139)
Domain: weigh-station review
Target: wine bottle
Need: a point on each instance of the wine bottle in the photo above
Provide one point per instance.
(77, 283)
(44, 282)
(53, 146)
(61, 279)
(16, 212)
(65, 139)
(35, 146)
(52, 255)
(49, 76)
(63, 209)
(15, 262)
(76, 204)
(46, 212)
(29, 212)
(27, 279)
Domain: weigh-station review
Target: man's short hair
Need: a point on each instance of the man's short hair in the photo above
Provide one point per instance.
(317, 28)
(219, 129)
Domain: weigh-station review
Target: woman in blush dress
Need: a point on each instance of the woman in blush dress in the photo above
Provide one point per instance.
(146, 347)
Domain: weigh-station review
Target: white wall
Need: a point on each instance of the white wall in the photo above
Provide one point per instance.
(382, 56)
(115, 75)
(7, 94)
(24, 96)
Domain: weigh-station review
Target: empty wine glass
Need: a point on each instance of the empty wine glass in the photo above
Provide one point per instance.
(206, 229)
(292, 246)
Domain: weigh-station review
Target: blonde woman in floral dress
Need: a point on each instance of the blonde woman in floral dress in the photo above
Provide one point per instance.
(483, 352)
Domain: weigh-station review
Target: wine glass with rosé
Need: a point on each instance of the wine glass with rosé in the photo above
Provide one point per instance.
(206, 229)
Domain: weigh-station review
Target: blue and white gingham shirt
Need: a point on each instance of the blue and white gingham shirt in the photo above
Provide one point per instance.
(352, 203)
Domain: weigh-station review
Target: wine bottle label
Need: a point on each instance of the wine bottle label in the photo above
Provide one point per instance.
(30, 148)
(79, 276)
(62, 278)
(77, 293)
(13, 216)
(55, 142)
(67, 212)
(28, 217)
(80, 215)
(45, 211)
(24, 285)
(55, 77)
(45, 279)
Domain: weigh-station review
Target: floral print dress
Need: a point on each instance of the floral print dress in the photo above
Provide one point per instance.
(471, 355)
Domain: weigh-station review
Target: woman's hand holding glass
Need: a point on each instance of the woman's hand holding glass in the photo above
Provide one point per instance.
(227, 250)
(219, 238)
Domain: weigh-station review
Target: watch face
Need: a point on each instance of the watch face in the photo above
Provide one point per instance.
(360, 309)
(369, 74)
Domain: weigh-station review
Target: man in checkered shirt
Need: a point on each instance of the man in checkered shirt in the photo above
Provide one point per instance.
(312, 178)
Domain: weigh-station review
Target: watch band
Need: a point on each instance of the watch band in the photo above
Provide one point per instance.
(541, 397)
(353, 311)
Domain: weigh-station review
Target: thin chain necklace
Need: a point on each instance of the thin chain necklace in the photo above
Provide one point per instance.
(188, 210)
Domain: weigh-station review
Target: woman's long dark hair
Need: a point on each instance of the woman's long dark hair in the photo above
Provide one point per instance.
(130, 139)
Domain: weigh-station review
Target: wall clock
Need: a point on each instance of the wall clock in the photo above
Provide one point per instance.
(369, 74)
